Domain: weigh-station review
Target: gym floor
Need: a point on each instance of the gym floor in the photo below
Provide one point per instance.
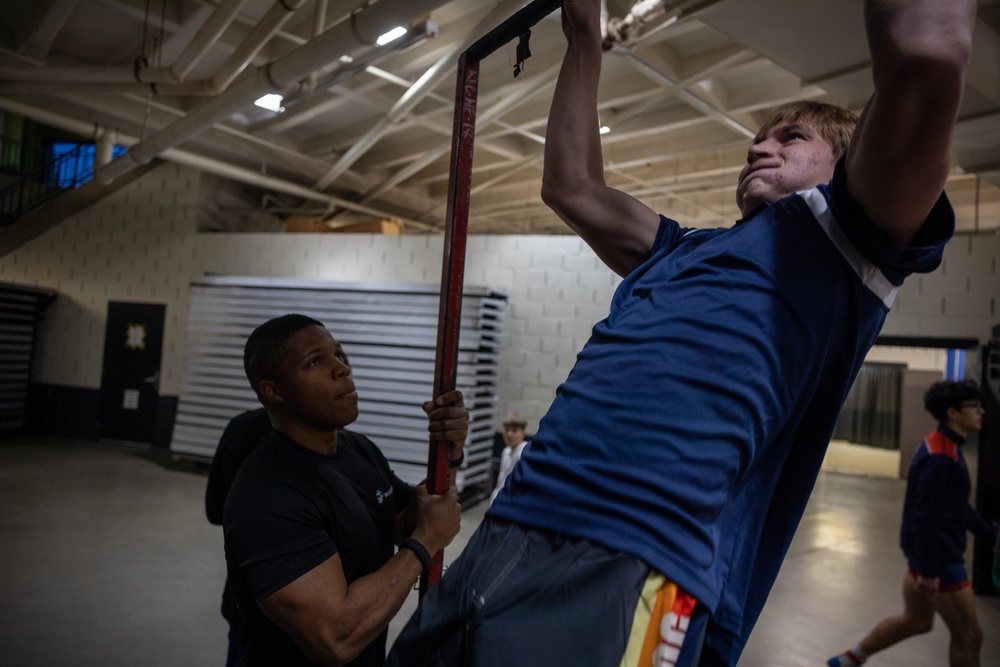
(106, 559)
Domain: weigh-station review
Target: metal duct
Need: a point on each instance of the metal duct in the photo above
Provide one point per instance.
(209, 32)
(361, 30)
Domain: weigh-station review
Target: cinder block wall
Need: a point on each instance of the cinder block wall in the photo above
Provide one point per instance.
(136, 245)
(961, 299)
(141, 245)
(557, 290)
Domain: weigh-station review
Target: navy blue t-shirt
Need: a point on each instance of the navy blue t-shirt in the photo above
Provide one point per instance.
(693, 425)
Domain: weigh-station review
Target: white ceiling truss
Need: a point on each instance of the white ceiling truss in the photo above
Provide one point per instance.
(366, 130)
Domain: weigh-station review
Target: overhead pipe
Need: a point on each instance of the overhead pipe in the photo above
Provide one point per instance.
(207, 165)
(307, 87)
(104, 146)
(158, 80)
(415, 35)
(634, 27)
(361, 30)
(319, 25)
(642, 12)
(68, 77)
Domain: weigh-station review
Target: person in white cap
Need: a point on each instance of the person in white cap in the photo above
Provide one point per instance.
(513, 436)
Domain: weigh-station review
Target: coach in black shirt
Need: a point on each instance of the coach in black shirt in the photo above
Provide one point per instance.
(315, 514)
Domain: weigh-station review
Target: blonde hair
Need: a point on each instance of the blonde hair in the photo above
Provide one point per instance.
(835, 124)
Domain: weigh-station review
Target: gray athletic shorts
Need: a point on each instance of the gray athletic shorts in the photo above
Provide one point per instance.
(519, 596)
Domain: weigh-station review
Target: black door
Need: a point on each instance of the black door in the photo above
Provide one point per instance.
(130, 380)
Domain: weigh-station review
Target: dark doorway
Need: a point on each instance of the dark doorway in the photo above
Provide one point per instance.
(130, 379)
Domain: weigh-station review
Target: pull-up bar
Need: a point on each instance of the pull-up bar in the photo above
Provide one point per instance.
(457, 227)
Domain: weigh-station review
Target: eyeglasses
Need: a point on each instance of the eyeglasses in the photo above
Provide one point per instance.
(972, 404)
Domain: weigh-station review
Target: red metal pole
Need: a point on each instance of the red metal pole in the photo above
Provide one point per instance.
(452, 275)
(457, 229)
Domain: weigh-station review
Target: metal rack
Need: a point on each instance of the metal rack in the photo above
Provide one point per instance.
(389, 331)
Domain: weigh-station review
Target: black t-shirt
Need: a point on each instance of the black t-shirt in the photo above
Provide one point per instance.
(289, 510)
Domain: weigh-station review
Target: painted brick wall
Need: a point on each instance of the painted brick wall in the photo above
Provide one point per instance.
(141, 245)
(557, 289)
(961, 299)
(136, 245)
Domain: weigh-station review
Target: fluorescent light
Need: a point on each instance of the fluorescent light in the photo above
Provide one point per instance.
(605, 129)
(271, 102)
(395, 33)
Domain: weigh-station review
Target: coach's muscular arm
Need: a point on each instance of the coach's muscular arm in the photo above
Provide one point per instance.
(333, 621)
(899, 156)
(618, 227)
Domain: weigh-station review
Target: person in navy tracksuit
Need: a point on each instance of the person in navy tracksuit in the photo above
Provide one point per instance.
(936, 516)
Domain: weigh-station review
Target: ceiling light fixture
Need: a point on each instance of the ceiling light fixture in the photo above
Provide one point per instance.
(271, 102)
(393, 34)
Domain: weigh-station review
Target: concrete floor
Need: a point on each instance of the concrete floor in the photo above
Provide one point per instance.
(106, 559)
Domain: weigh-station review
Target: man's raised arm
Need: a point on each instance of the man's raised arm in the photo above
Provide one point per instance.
(618, 227)
(900, 154)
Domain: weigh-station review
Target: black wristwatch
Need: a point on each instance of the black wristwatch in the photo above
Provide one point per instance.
(455, 463)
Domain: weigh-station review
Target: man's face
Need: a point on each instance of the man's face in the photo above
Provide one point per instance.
(315, 384)
(969, 417)
(513, 434)
(790, 158)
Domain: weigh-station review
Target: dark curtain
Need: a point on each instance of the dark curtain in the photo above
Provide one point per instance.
(870, 415)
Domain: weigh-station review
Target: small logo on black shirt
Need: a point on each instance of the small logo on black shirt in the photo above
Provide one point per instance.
(381, 496)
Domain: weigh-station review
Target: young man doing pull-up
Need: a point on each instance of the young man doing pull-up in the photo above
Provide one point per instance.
(652, 510)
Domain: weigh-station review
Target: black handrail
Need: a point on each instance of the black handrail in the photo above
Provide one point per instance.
(39, 176)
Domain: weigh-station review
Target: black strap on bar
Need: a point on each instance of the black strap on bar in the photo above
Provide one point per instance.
(523, 53)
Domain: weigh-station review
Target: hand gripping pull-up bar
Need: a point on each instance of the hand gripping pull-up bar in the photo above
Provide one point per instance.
(457, 226)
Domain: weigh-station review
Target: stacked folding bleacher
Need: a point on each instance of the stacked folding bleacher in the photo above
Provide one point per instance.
(389, 332)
